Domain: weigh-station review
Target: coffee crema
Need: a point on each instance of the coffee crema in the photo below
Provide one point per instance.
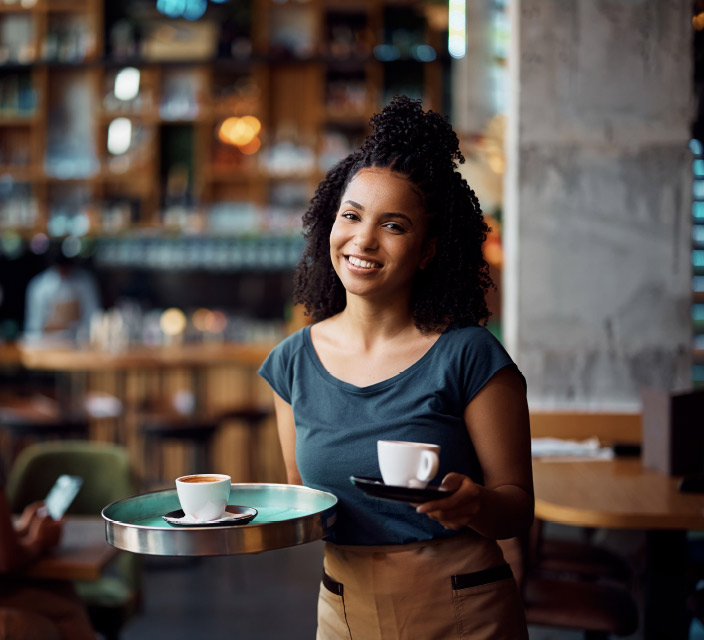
(200, 479)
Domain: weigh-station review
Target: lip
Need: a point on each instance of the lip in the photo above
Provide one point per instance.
(357, 269)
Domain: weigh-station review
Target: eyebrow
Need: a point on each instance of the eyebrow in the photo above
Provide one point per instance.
(389, 214)
(356, 205)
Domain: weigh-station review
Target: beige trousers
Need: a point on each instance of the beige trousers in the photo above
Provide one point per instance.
(458, 588)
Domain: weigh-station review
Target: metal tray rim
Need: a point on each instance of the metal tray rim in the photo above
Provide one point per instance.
(225, 540)
(237, 484)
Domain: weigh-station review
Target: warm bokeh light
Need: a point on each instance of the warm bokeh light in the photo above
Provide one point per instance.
(216, 323)
(173, 321)
(241, 132)
(253, 123)
(496, 163)
(251, 147)
(493, 252)
(200, 319)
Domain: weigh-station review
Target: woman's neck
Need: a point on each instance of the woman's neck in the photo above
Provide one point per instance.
(368, 323)
(365, 344)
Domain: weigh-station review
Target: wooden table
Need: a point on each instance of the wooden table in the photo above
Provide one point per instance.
(621, 494)
(75, 362)
(67, 358)
(132, 373)
(82, 554)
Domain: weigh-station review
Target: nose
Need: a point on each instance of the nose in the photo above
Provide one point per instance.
(365, 237)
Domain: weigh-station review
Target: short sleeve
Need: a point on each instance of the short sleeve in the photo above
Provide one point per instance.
(483, 357)
(278, 368)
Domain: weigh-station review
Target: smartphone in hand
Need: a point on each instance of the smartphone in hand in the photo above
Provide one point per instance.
(62, 494)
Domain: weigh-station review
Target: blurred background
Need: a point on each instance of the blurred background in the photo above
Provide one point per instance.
(164, 152)
(156, 157)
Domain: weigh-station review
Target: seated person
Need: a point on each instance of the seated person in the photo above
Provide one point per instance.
(34, 609)
(60, 300)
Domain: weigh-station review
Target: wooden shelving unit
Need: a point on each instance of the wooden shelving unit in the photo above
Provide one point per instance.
(306, 70)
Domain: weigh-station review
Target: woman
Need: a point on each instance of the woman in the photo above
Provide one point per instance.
(394, 277)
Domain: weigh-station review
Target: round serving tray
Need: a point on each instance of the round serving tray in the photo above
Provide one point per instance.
(288, 515)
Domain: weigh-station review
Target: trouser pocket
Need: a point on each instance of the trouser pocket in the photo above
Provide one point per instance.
(332, 618)
(488, 605)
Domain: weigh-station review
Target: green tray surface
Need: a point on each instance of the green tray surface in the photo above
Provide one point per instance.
(274, 503)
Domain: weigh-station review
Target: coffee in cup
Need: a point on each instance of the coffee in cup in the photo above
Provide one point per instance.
(190, 479)
(407, 464)
(203, 496)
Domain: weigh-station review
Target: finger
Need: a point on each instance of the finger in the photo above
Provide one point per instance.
(31, 509)
(449, 515)
(459, 488)
(451, 501)
(453, 478)
(452, 481)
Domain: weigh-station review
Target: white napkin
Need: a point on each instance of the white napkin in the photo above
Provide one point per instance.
(556, 447)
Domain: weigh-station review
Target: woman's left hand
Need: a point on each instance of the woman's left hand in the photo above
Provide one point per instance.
(458, 509)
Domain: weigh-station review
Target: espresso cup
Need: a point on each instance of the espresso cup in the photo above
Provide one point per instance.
(203, 496)
(408, 464)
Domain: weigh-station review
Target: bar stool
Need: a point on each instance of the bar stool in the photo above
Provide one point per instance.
(195, 432)
(37, 419)
(253, 417)
(599, 610)
(582, 560)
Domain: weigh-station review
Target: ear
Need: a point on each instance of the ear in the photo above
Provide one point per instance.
(429, 254)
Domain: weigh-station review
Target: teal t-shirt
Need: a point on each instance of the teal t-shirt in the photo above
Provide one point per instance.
(338, 425)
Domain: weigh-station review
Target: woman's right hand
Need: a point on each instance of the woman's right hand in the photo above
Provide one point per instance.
(29, 512)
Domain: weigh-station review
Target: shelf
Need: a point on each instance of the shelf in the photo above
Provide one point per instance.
(134, 178)
(21, 174)
(150, 117)
(47, 6)
(66, 6)
(317, 100)
(16, 8)
(19, 121)
(358, 119)
(234, 174)
(88, 180)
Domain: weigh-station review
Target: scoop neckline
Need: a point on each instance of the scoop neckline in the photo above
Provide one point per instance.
(313, 354)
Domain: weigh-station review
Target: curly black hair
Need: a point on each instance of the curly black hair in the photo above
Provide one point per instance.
(451, 290)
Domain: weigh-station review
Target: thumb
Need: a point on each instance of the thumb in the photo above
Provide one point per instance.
(452, 481)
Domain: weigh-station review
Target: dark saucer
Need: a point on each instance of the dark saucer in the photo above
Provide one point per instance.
(376, 488)
(234, 515)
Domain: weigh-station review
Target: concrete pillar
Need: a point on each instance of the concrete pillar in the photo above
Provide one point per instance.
(598, 192)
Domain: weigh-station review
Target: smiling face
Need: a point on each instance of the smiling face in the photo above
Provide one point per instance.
(378, 240)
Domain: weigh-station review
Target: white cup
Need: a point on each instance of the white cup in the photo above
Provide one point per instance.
(407, 464)
(203, 496)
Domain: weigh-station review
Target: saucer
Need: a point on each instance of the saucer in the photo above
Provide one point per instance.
(234, 515)
(376, 488)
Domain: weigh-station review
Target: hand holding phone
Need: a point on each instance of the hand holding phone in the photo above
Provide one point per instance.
(62, 494)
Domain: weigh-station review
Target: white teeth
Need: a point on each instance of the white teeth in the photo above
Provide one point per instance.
(362, 263)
